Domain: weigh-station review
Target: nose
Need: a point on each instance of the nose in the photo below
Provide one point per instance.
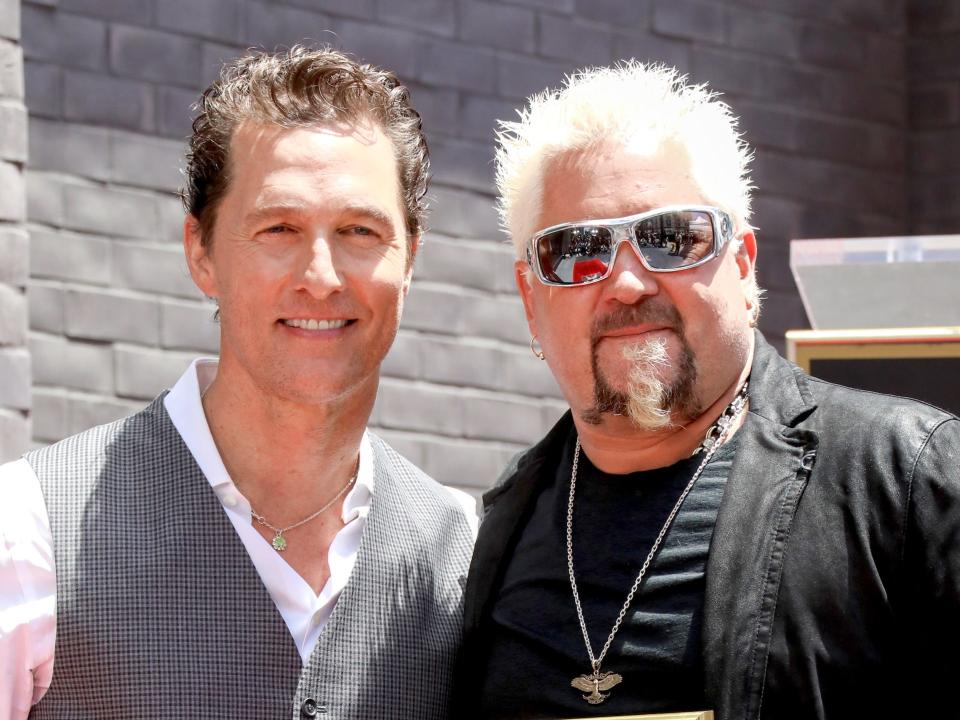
(629, 281)
(320, 276)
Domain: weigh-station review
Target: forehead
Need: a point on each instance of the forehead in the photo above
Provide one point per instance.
(612, 180)
(317, 165)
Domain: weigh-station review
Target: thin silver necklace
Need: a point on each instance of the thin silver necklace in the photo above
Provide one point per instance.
(596, 684)
(279, 542)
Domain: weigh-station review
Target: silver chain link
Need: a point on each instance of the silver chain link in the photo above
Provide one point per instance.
(730, 414)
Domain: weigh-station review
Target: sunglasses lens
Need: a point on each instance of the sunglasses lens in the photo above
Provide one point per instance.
(575, 255)
(674, 240)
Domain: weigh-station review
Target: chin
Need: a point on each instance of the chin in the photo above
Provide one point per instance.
(301, 386)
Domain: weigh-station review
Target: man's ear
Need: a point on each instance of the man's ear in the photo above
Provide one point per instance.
(747, 265)
(521, 273)
(198, 257)
(747, 255)
(414, 247)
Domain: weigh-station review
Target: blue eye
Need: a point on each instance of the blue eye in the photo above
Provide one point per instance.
(362, 234)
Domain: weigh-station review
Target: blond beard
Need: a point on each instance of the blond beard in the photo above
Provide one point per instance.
(646, 393)
(648, 401)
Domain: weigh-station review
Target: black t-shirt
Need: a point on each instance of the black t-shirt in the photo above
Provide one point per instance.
(537, 647)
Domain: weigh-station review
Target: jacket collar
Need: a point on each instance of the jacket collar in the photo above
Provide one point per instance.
(779, 391)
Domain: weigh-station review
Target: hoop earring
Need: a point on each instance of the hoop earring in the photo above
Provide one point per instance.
(538, 353)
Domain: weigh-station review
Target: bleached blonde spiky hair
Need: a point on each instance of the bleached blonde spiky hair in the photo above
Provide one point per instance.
(643, 106)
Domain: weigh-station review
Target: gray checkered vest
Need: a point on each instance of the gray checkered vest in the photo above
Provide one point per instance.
(161, 613)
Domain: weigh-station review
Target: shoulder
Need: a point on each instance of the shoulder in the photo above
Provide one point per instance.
(880, 444)
(388, 461)
(123, 456)
(863, 413)
(857, 429)
(139, 428)
(419, 488)
(506, 480)
(526, 465)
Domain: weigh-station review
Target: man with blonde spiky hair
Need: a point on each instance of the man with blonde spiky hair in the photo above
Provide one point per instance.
(708, 527)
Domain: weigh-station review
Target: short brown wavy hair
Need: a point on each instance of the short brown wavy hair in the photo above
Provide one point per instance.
(301, 87)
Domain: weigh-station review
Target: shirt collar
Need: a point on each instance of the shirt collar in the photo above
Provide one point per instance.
(185, 407)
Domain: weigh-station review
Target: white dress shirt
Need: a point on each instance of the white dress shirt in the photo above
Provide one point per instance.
(28, 578)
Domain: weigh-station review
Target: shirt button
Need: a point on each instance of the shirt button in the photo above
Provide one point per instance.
(309, 708)
(230, 500)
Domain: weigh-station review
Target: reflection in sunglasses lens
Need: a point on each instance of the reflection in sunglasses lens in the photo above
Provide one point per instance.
(576, 254)
(674, 240)
(667, 241)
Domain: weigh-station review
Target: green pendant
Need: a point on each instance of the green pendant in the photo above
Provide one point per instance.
(279, 542)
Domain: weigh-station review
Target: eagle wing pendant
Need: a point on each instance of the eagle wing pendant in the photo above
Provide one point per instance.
(595, 685)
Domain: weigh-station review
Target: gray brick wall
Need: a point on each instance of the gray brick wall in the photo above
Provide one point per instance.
(15, 378)
(822, 88)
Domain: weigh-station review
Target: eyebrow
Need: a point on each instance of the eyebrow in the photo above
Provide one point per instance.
(370, 212)
(264, 212)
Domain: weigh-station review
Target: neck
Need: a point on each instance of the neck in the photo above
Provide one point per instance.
(283, 454)
(616, 446)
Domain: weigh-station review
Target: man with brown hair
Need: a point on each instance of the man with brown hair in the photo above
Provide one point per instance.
(243, 547)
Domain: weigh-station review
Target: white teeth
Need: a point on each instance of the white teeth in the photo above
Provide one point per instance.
(313, 324)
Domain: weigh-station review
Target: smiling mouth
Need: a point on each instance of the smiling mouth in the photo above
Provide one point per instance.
(314, 324)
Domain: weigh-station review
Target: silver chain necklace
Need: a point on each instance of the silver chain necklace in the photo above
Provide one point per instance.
(597, 683)
(279, 542)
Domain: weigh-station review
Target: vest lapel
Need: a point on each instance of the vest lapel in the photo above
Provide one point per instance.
(359, 607)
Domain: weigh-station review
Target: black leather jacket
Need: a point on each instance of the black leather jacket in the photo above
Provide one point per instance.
(833, 582)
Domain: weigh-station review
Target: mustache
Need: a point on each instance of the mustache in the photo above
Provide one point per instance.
(646, 312)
